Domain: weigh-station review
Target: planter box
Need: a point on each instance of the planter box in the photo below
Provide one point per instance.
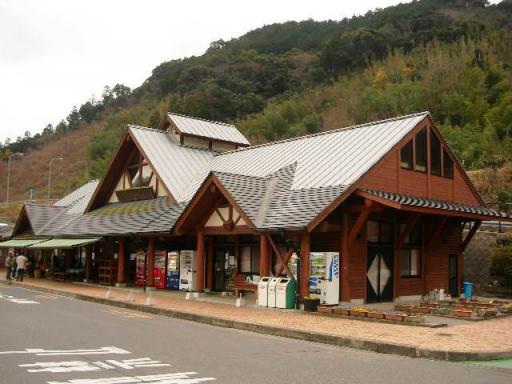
(325, 309)
(443, 311)
(461, 313)
(375, 315)
(342, 311)
(487, 312)
(403, 307)
(358, 313)
(422, 310)
(415, 319)
(311, 305)
(394, 316)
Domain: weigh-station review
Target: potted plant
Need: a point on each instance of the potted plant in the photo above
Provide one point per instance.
(375, 315)
(394, 316)
(359, 312)
(311, 304)
(342, 311)
(462, 313)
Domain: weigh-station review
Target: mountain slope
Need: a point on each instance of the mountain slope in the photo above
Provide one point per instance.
(450, 57)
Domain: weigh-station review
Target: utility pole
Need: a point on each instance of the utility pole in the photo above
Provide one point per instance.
(50, 176)
(15, 155)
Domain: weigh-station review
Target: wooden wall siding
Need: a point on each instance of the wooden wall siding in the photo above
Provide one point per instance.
(390, 177)
(358, 253)
(325, 242)
(437, 257)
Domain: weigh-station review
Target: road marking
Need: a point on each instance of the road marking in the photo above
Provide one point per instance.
(128, 314)
(47, 297)
(86, 366)
(14, 300)
(166, 378)
(69, 352)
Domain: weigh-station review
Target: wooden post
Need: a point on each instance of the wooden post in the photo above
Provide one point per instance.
(121, 261)
(88, 262)
(305, 243)
(151, 263)
(265, 256)
(200, 262)
(209, 263)
(345, 259)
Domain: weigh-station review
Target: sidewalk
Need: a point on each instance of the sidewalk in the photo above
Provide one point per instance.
(483, 340)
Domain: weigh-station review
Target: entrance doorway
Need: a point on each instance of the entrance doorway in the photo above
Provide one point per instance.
(379, 276)
(453, 274)
(379, 261)
(224, 262)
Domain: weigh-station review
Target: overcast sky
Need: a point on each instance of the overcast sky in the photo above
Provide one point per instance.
(55, 54)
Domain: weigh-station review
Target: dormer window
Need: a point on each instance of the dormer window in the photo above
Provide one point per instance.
(406, 156)
(421, 151)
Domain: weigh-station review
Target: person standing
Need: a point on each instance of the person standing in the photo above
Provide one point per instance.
(9, 264)
(21, 265)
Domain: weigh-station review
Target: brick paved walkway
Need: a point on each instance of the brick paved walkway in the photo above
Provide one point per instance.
(484, 336)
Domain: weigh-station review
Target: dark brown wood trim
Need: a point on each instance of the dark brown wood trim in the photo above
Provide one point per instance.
(439, 228)
(278, 254)
(470, 235)
(409, 226)
(360, 222)
(239, 230)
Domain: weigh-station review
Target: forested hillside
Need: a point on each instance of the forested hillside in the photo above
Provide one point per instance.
(452, 58)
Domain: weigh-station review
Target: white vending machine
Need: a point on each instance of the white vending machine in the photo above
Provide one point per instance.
(330, 283)
(187, 273)
(271, 292)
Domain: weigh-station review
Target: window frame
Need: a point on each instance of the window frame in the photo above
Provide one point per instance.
(434, 138)
(410, 167)
(424, 131)
(446, 156)
(409, 247)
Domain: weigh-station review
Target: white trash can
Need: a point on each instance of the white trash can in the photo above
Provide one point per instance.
(263, 291)
(272, 292)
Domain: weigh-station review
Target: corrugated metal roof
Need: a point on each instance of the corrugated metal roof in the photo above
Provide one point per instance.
(436, 204)
(337, 157)
(181, 168)
(79, 197)
(205, 128)
(40, 216)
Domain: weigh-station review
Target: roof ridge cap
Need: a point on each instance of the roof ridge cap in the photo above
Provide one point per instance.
(201, 119)
(335, 130)
(135, 126)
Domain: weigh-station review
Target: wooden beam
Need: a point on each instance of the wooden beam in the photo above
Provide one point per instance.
(284, 264)
(345, 259)
(121, 261)
(470, 235)
(407, 230)
(305, 245)
(151, 262)
(209, 263)
(88, 262)
(265, 256)
(200, 262)
(439, 228)
(360, 222)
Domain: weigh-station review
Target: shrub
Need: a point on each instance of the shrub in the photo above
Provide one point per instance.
(501, 262)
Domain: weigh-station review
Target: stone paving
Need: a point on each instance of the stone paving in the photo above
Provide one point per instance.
(477, 337)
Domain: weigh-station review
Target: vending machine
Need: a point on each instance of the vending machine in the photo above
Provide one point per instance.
(173, 272)
(140, 269)
(159, 275)
(316, 273)
(187, 273)
(330, 283)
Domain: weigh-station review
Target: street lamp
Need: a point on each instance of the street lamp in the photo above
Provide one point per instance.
(50, 175)
(15, 155)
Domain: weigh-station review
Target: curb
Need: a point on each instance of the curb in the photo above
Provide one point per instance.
(366, 345)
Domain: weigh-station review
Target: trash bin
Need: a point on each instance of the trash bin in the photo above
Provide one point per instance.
(468, 290)
(285, 293)
(263, 291)
(271, 292)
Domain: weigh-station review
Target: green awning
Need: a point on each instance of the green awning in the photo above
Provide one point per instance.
(20, 243)
(64, 243)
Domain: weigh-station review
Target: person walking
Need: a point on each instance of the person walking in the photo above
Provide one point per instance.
(21, 265)
(9, 264)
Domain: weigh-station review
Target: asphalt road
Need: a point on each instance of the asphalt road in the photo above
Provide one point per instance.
(52, 339)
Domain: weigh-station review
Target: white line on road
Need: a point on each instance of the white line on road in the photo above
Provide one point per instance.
(69, 352)
(166, 378)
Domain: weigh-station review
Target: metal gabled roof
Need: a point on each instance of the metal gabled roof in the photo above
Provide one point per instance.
(41, 216)
(421, 202)
(206, 128)
(270, 203)
(77, 201)
(182, 169)
(145, 216)
(327, 159)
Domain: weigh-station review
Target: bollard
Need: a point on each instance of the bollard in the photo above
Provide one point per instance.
(240, 301)
(149, 300)
(109, 294)
(131, 297)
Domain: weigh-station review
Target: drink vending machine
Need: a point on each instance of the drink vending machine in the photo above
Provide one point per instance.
(159, 275)
(173, 271)
(330, 283)
(187, 273)
(140, 270)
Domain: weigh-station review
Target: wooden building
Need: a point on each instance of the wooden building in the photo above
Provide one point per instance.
(389, 197)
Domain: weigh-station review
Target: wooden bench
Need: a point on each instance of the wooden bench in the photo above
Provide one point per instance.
(240, 285)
